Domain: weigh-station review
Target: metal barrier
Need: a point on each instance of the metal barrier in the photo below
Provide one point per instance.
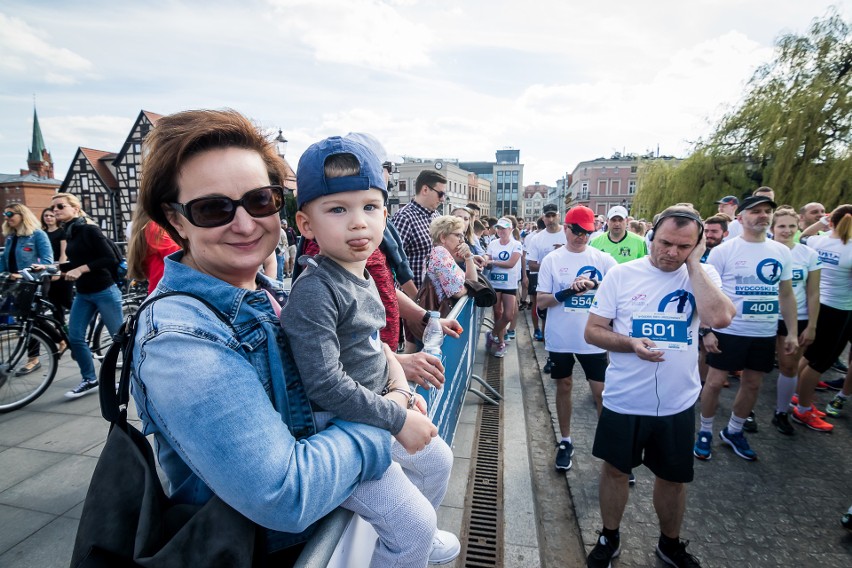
(342, 538)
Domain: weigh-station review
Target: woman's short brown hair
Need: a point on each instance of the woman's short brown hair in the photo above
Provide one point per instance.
(178, 137)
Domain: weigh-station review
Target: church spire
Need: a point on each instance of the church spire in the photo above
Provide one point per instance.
(37, 150)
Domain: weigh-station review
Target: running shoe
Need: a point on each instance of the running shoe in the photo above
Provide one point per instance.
(548, 366)
(84, 388)
(702, 449)
(846, 520)
(835, 384)
(564, 453)
(812, 421)
(489, 340)
(750, 424)
(782, 424)
(631, 480)
(500, 352)
(739, 444)
(839, 365)
(510, 335)
(538, 335)
(604, 551)
(795, 402)
(821, 386)
(834, 407)
(678, 556)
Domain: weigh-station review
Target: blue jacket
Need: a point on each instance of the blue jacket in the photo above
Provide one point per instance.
(223, 409)
(31, 249)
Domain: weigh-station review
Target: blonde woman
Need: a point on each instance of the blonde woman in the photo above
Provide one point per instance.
(25, 244)
(450, 249)
(89, 259)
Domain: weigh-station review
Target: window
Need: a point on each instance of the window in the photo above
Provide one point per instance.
(84, 183)
(515, 176)
(131, 172)
(500, 176)
(631, 186)
(601, 187)
(615, 187)
(137, 147)
(632, 169)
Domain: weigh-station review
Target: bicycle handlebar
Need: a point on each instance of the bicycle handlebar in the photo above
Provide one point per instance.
(32, 275)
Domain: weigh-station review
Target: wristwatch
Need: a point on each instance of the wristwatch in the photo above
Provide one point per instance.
(703, 331)
(425, 318)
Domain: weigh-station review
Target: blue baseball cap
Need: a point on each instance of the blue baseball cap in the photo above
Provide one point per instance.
(311, 181)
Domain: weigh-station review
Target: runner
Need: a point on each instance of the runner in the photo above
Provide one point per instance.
(618, 242)
(504, 260)
(756, 274)
(646, 315)
(567, 281)
(806, 277)
(834, 325)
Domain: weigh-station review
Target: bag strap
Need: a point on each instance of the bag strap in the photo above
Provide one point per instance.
(114, 400)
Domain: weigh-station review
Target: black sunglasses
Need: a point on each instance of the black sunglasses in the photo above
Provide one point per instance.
(60, 206)
(207, 212)
(441, 194)
(9, 214)
(579, 231)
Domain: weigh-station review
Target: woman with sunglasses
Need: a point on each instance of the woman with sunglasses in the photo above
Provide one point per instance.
(450, 249)
(88, 260)
(216, 396)
(25, 244)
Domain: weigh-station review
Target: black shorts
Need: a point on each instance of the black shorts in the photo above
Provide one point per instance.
(834, 330)
(512, 292)
(782, 327)
(742, 352)
(594, 365)
(532, 286)
(662, 443)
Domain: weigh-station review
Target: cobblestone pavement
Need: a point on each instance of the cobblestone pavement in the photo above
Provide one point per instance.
(782, 510)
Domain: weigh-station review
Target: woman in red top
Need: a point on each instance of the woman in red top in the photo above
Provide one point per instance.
(149, 245)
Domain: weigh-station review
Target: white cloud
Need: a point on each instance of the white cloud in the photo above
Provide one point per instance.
(370, 33)
(24, 51)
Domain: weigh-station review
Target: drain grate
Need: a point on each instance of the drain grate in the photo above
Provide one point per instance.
(484, 505)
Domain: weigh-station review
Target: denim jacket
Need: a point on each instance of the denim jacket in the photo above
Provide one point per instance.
(219, 406)
(31, 249)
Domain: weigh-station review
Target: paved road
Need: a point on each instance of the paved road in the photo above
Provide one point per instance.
(782, 510)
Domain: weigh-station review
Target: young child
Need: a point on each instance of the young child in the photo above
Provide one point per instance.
(332, 320)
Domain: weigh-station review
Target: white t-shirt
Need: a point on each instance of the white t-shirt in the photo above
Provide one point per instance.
(750, 275)
(735, 229)
(543, 244)
(566, 322)
(835, 284)
(659, 305)
(805, 261)
(504, 278)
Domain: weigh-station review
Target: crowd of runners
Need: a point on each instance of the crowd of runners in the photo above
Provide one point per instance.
(663, 315)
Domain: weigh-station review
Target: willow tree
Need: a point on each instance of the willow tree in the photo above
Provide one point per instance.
(792, 131)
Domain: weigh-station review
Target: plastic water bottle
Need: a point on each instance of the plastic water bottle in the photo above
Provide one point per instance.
(433, 335)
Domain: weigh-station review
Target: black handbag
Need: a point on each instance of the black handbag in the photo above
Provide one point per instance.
(127, 518)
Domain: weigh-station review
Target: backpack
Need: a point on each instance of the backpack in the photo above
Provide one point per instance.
(119, 269)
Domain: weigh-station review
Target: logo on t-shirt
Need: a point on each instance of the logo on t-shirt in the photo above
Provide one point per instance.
(376, 341)
(503, 255)
(829, 257)
(591, 273)
(678, 301)
(769, 271)
(624, 251)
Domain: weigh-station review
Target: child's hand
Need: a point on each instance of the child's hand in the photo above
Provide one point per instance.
(420, 404)
(417, 432)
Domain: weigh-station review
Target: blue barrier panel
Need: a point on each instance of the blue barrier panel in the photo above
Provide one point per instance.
(343, 539)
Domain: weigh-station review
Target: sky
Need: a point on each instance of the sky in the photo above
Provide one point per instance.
(562, 81)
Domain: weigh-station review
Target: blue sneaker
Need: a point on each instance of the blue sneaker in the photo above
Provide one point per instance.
(510, 335)
(702, 450)
(739, 444)
(489, 341)
(538, 335)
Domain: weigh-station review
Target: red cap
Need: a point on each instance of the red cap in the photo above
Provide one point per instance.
(582, 216)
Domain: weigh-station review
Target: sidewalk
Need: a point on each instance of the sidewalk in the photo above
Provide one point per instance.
(49, 449)
(782, 510)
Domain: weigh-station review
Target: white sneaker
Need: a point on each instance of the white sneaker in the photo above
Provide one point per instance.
(445, 547)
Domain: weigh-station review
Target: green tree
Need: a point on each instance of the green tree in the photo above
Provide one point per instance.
(792, 131)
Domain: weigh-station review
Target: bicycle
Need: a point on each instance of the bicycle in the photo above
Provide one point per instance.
(98, 335)
(29, 339)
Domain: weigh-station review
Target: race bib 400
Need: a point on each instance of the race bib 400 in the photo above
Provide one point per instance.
(760, 308)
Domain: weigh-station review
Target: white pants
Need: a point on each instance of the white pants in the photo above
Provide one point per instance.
(402, 505)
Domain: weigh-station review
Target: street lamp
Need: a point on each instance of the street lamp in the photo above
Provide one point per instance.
(281, 144)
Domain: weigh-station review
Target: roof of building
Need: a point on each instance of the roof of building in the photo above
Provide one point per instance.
(99, 159)
(28, 178)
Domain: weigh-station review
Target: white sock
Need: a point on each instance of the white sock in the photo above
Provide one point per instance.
(735, 424)
(785, 387)
(706, 424)
(568, 439)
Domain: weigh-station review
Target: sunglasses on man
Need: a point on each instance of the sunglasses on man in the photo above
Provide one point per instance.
(209, 212)
(579, 231)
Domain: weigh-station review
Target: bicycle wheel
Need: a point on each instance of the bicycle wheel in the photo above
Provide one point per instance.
(101, 338)
(18, 386)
